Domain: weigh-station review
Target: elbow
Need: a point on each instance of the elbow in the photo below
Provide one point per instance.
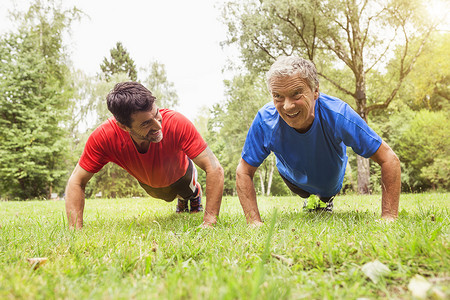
(221, 172)
(217, 171)
(395, 160)
(390, 159)
(392, 165)
(241, 173)
(238, 171)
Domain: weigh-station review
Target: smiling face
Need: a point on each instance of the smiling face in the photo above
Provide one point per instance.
(294, 100)
(145, 126)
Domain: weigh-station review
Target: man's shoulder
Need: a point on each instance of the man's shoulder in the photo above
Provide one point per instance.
(167, 112)
(172, 117)
(332, 104)
(268, 115)
(108, 127)
(107, 134)
(268, 110)
(332, 109)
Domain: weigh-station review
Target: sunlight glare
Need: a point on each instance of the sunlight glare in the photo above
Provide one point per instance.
(439, 10)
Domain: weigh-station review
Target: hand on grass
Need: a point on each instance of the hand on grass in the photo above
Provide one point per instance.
(388, 218)
(78, 227)
(255, 224)
(207, 225)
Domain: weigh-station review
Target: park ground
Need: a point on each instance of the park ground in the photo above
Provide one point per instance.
(140, 249)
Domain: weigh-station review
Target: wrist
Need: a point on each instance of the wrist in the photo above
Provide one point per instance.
(389, 217)
(209, 219)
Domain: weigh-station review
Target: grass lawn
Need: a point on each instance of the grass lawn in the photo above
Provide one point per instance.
(141, 249)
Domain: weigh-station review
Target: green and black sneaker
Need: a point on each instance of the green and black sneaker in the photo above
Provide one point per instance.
(313, 203)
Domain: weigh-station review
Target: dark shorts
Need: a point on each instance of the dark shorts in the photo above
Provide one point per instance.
(302, 193)
(184, 188)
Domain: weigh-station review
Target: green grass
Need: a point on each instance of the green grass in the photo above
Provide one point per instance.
(141, 249)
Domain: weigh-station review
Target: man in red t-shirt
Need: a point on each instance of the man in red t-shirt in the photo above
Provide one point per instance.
(156, 146)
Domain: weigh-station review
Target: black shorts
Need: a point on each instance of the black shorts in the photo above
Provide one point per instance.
(302, 193)
(184, 188)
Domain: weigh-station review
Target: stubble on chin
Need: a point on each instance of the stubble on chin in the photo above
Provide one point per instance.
(157, 139)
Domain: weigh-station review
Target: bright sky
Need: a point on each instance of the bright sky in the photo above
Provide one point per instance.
(183, 35)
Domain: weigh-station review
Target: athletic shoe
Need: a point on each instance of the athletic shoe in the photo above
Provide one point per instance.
(313, 203)
(182, 206)
(196, 203)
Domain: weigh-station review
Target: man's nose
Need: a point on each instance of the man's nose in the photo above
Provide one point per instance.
(156, 124)
(288, 103)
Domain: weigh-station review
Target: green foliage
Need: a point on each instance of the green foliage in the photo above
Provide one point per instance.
(164, 90)
(425, 149)
(34, 93)
(141, 249)
(428, 85)
(88, 103)
(420, 139)
(338, 36)
(119, 62)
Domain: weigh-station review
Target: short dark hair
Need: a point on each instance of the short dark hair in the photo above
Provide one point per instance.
(126, 98)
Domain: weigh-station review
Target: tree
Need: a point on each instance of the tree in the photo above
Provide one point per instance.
(34, 93)
(120, 62)
(164, 90)
(423, 145)
(428, 85)
(350, 37)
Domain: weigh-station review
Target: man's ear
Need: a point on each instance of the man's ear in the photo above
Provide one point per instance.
(316, 93)
(122, 126)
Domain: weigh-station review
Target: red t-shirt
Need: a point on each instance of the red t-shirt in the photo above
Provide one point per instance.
(164, 162)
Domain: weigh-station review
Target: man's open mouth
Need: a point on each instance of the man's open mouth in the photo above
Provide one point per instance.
(292, 115)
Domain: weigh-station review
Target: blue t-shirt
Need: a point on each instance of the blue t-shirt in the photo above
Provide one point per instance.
(314, 161)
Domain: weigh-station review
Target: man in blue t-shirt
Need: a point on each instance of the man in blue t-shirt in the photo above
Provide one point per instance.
(308, 132)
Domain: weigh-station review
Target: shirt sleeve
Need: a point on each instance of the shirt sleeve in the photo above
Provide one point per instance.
(357, 134)
(191, 141)
(254, 151)
(93, 157)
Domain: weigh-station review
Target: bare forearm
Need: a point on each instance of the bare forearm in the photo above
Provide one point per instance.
(247, 196)
(214, 191)
(391, 186)
(74, 205)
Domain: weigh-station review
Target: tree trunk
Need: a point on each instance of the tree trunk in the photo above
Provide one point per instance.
(361, 106)
(352, 179)
(269, 181)
(363, 175)
(261, 181)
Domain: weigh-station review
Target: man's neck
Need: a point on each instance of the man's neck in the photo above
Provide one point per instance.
(141, 145)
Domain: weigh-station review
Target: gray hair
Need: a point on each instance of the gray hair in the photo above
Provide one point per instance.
(288, 65)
